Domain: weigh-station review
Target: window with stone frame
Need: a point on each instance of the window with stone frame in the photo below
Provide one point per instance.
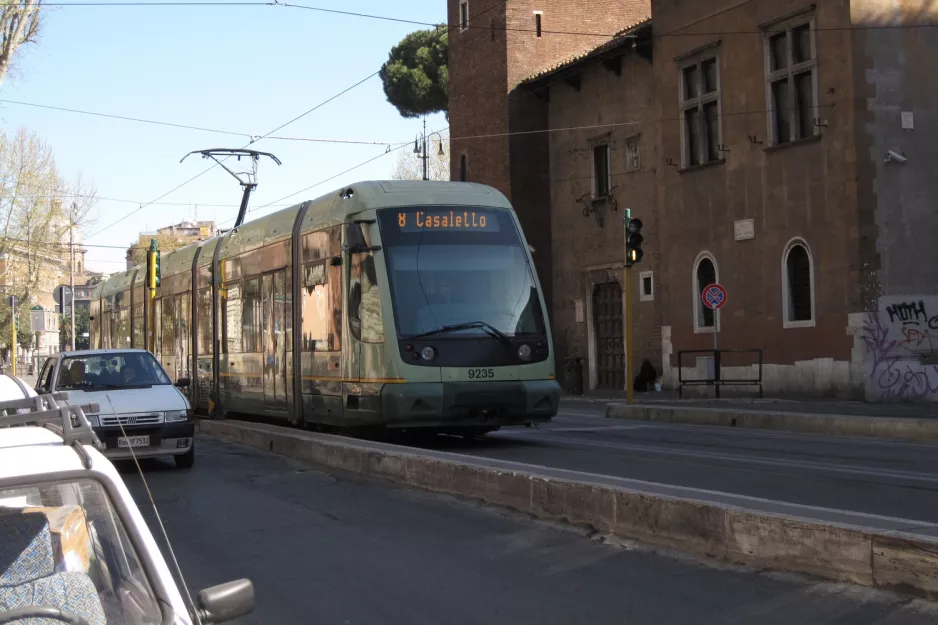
(791, 80)
(705, 274)
(600, 164)
(701, 108)
(463, 15)
(797, 285)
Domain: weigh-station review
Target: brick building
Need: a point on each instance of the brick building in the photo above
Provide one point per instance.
(816, 214)
(493, 46)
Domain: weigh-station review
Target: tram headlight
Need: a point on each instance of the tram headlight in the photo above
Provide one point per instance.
(428, 353)
(524, 352)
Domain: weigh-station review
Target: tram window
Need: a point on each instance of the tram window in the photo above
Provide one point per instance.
(168, 324)
(204, 312)
(322, 307)
(365, 319)
(231, 323)
(251, 317)
(183, 312)
(288, 309)
(138, 326)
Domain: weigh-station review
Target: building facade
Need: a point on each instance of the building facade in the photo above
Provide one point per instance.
(781, 149)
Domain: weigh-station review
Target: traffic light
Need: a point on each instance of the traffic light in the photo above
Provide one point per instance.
(633, 242)
(153, 268)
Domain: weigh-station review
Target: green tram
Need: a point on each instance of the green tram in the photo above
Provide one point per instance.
(399, 304)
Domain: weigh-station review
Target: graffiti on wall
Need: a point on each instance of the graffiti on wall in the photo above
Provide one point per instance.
(901, 345)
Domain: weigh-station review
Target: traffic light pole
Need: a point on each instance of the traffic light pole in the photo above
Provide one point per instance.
(152, 282)
(633, 254)
(628, 309)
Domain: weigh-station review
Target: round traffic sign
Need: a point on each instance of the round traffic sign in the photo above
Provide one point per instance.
(713, 296)
(62, 294)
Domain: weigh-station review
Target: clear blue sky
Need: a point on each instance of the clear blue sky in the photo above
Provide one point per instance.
(243, 69)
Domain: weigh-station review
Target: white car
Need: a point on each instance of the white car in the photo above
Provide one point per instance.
(74, 547)
(142, 413)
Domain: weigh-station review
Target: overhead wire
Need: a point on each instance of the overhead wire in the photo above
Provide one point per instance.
(470, 26)
(253, 141)
(198, 128)
(494, 5)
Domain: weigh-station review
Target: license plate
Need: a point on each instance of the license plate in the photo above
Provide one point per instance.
(133, 441)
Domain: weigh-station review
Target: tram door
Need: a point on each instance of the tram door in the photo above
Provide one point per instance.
(275, 339)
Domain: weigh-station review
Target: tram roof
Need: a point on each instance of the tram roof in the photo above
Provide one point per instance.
(327, 210)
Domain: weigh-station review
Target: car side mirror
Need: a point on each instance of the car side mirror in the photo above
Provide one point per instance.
(183, 382)
(226, 602)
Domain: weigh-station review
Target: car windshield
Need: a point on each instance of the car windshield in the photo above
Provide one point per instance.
(63, 545)
(113, 370)
(450, 266)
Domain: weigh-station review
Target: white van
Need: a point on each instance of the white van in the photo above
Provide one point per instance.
(74, 547)
(142, 412)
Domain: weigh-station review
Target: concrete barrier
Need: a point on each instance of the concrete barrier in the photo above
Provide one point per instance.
(842, 551)
(843, 425)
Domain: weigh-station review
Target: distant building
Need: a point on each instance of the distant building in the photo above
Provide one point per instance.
(40, 268)
(173, 237)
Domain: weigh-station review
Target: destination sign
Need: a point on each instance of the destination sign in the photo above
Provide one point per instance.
(464, 220)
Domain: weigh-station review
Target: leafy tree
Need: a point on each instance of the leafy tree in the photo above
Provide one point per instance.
(416, 75)
(34, 219)
(82, 325)
(24, 334)
(19, 24)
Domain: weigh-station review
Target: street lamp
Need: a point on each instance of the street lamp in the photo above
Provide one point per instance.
(422, 152)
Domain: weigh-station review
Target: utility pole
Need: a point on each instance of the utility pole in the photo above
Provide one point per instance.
(13, 327)
(71, 269)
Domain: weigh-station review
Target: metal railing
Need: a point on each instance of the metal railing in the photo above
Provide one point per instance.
(717, 380)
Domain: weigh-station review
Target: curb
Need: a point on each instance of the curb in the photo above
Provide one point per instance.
(844, 425)
(837, 552)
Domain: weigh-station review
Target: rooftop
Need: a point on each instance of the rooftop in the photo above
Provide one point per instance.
(617, 40)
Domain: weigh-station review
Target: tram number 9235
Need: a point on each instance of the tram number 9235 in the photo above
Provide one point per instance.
(481, 374)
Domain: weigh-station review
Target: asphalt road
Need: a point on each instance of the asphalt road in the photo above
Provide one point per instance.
(876, 476)
(339, 550)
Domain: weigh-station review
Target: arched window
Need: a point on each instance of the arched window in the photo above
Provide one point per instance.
(705, 273)
(797, 285)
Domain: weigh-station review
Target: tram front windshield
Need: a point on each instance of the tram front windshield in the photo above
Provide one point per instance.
(449, 266)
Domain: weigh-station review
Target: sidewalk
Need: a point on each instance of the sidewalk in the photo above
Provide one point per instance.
(803, 405)
(911, 421)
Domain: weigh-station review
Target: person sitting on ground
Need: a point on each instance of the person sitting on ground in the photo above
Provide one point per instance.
(646, 375)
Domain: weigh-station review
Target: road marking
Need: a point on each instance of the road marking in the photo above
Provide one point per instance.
(584, 428)
(795, 436)
(833, 468)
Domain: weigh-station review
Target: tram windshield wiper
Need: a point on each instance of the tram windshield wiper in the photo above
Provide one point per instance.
(489, 329)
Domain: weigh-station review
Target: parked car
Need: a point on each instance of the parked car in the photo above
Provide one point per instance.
(74, 547)
(142, 412)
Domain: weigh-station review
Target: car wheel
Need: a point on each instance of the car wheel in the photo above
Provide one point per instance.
(186, 460)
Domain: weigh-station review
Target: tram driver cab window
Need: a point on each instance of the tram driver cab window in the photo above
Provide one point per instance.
(443, 304)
